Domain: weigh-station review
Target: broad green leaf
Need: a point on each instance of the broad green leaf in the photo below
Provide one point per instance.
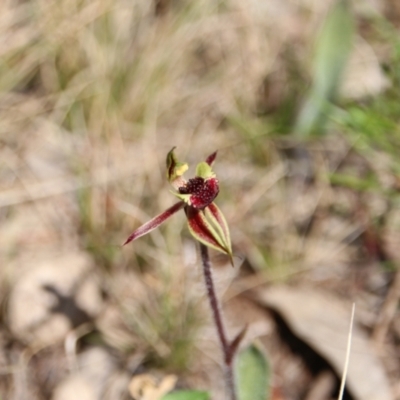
(187, 395)
(252, 374)
(332, 50)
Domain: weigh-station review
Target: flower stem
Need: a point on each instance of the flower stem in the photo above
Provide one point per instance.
(219, 323)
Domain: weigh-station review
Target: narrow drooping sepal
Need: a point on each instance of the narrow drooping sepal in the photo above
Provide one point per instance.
(155, 222)
(175, 169)
(205, 229)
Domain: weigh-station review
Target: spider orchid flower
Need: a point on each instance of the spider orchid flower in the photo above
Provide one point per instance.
(205, 220)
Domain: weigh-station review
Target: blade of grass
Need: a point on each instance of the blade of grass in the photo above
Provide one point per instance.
(332, 51)
(348, 350)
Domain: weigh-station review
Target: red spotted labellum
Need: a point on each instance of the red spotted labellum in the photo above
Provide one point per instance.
(205, 220)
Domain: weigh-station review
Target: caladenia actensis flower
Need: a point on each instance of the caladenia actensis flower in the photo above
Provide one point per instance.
(207, 225)
(205, 220)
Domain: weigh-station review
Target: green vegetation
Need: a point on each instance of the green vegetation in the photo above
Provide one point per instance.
(94, 93)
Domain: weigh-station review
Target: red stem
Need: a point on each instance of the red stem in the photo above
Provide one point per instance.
(219, 324)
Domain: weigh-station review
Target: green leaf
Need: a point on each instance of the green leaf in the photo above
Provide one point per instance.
(252, 374)
(187, 395)
(332, 50)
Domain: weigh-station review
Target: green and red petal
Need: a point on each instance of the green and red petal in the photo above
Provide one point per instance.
(205, 226)
(217, 219)
(155, 222)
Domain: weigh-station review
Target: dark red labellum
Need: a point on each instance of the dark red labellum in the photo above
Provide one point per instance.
(202, 191)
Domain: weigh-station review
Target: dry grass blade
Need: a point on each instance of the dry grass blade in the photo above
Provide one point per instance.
(348, 351)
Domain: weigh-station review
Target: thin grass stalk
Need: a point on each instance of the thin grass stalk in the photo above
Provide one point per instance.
(348, 351)
(219, 323)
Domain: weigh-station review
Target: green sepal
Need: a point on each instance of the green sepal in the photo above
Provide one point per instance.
(203, 170)
(175, 168)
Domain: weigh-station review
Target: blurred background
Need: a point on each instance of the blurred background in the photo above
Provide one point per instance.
(300, 98)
